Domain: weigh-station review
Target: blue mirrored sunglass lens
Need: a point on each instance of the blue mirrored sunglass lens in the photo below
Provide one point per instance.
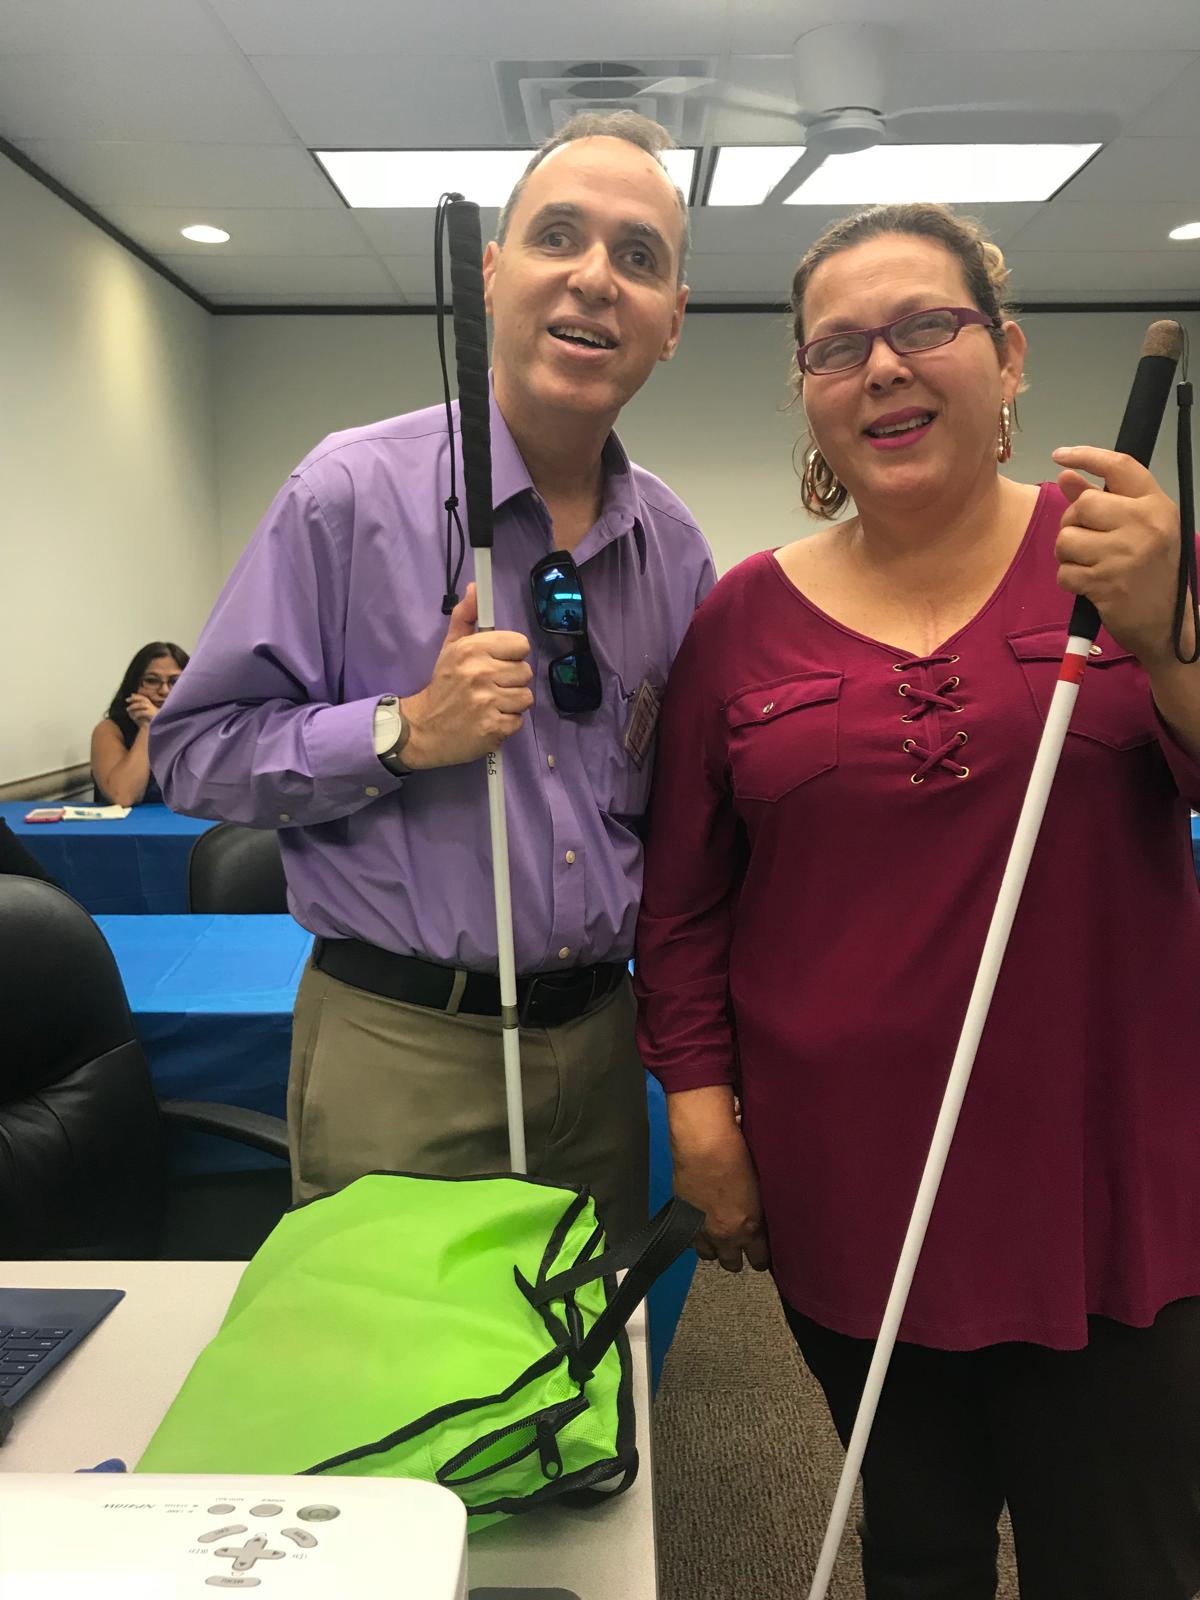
(575, 682)
(559, 602)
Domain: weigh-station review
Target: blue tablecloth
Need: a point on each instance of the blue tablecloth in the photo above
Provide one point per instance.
(130, 865)
(1196, 843)
(212, 1001)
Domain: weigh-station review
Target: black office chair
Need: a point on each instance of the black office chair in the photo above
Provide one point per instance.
(236, 870)
(83, 1140)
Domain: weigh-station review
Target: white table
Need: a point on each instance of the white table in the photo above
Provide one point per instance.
(107, 1396)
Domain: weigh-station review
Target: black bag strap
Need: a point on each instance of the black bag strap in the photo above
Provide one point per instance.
(649, 1253)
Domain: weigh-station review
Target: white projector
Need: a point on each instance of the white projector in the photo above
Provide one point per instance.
(118, 1536)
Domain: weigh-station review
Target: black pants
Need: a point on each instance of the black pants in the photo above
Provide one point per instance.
(1096, 1451)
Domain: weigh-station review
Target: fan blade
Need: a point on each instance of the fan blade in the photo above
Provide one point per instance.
(799, 171)
(1001, 123)
(725, 95)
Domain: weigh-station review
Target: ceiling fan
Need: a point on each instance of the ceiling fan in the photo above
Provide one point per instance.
(842, 73)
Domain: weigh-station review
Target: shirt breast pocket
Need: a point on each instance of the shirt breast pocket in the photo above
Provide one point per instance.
(1114, 707)
(782, 734)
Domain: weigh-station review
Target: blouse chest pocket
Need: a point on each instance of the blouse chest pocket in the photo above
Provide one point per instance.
(1114, 705)
(783, 733)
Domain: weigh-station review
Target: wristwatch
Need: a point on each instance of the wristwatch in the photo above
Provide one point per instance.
(392, 732)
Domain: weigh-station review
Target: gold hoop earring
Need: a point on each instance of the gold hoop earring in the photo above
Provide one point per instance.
(1004, 444)
(821, 490)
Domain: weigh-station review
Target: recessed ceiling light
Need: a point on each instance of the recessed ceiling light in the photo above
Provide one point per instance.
(418, 178)
(951, 174)
(1189, 230)
(203, 234)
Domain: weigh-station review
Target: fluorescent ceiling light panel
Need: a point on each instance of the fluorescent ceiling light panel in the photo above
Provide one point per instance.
(953, 174)
(203, 234)
(745, 174)
(681, 166)
(1189, 230)
(418, 178)
(406, 179)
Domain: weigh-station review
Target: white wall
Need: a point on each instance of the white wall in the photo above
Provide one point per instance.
(107, 460)
(710, 422)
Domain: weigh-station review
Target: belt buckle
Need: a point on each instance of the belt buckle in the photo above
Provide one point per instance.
(529, 1007)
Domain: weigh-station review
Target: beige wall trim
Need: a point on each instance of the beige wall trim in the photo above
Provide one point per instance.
(67, 781)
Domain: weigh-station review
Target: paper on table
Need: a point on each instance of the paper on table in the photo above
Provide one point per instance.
(94, 813)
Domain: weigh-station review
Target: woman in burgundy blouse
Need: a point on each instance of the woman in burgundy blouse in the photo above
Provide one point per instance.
(844, 745)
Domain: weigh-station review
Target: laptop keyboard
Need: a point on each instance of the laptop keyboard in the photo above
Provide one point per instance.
(22, 1348)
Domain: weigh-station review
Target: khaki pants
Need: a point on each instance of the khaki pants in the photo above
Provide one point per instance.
(378, 1085)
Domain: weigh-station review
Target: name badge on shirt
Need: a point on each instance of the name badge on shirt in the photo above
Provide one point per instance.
(643, 719)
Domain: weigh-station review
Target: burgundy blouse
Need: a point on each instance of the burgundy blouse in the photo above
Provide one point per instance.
(829, 826)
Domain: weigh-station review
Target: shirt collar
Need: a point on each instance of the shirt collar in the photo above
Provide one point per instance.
(620, 510)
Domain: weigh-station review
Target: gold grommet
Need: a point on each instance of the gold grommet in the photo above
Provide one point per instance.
(909, 744)
(952, 683)
(955, 658)
(770, 706)
(964, 773)
(961, 737)
(902, 688)
(907, 719)
(898, 666)
(915, 779)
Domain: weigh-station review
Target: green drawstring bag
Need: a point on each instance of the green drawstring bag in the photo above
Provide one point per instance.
(466, 1331)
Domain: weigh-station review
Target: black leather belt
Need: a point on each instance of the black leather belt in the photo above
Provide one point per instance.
(544, 999)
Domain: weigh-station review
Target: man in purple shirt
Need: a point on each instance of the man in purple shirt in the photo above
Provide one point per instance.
(327, 698)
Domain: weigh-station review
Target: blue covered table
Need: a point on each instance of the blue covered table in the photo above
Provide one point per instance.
(1196, 843)
(212, 1001)
(127, 865)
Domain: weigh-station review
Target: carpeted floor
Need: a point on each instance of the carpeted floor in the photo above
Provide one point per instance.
(746, 1461)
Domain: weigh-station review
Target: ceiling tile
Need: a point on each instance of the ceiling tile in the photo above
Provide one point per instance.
(410, 232)
(545, 29)
(151, 26)
(1096, 226)
(349, 102)
(1137, 275)
(175, 99)
(1144, 171)
(187, 175)
(1176, 112)
(282, 274)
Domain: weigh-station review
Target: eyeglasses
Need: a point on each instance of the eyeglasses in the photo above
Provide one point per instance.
(153, 681)
(559, 607)
(907, 336)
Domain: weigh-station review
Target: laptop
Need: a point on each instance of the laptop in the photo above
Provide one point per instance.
(38, 1327)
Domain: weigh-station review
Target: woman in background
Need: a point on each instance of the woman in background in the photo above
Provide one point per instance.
(844, 745)
(121, 739)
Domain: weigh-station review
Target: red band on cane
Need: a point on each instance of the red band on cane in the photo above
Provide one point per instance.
(1072, 669)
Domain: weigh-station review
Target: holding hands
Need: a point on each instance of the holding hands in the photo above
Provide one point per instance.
(1121, 550)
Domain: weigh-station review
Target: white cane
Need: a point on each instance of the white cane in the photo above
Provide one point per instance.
(470, 356)
(1139, 429)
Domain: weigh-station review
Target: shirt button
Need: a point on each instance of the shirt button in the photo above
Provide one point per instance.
(564, 953)
(549, 761)
(283, 817)
(371, 790)
(569, 858)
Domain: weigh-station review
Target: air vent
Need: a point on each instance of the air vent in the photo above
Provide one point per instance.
(537, 97)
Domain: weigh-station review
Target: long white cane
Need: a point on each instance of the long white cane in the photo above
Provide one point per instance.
(1139, 429)
(470, 356)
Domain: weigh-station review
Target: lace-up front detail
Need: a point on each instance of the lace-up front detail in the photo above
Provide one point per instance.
(920, 701)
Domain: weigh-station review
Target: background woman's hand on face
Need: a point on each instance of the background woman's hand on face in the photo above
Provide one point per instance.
(1121, 549)
(141, 709)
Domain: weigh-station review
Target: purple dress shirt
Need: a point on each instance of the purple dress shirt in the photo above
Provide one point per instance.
(337, 601)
